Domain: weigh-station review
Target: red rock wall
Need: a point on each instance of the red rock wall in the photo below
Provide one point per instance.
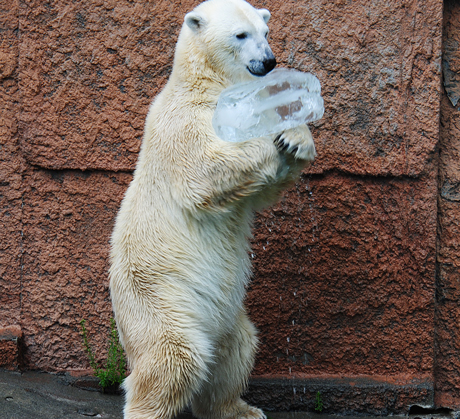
(348, 281)
(447, 373)
(344, 278)
(67, 221)
(11, 166)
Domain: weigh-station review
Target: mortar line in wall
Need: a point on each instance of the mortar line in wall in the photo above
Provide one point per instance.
(327, 172)
(365, 176)
(21, 254)
(77, 170)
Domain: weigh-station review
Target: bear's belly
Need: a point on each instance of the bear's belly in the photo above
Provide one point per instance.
(191, 270)
(206, 280)
(211, 291)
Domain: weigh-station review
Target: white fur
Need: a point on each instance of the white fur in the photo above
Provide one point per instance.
(179, 259)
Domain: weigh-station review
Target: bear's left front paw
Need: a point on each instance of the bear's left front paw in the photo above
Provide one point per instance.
(298, 142)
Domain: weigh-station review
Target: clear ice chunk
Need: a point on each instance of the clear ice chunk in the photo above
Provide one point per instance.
(281, 100)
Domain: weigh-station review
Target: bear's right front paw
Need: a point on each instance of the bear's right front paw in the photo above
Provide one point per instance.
(298, 142)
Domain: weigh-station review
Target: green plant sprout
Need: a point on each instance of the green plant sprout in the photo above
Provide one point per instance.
(115, 367)
(318, 402)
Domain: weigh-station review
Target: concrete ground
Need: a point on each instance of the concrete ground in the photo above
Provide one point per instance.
(35, 395)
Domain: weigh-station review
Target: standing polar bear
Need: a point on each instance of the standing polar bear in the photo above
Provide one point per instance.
(179, 259)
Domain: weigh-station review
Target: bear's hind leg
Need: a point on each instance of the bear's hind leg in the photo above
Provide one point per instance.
(219, 397)
(164, 378)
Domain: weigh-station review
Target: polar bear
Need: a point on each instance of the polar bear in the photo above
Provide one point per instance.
(179, 249)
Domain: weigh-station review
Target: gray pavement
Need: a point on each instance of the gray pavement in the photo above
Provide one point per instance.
(35, 395)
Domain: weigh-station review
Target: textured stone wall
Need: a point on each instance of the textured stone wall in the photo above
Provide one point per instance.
(349, 291)
(67, 221)
(11, 167)
(447, 373)
(345, 278)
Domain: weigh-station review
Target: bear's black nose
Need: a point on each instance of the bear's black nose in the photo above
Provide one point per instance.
(269, 64)
(260, 68)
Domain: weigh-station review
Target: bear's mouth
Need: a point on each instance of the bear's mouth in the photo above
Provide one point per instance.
(256, 74)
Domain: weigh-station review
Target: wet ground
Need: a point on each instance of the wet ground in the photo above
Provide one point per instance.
(35, 395)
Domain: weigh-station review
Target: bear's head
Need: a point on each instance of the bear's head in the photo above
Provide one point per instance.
(232, 35)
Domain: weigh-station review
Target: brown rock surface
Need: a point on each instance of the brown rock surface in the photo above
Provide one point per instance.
(68, 219)
(11, 166)
(9, 346)
(89, 71)
(448, 289)
(344, 278)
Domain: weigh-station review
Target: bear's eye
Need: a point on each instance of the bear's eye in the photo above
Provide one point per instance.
(266, 35)
(242, 35)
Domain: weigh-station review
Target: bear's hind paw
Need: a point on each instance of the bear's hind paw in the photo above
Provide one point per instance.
(245, 411)
(252, 413)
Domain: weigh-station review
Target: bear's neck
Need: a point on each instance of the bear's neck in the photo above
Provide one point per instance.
(193, 72)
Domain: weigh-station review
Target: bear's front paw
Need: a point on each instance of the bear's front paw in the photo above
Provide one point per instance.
(298, 142)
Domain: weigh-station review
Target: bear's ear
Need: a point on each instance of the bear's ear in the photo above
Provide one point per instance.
(194, 21)
(265, 14)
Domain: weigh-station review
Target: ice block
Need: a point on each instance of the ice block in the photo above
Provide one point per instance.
(281, 100)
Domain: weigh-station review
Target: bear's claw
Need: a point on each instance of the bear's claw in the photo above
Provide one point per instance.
(298, 142)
